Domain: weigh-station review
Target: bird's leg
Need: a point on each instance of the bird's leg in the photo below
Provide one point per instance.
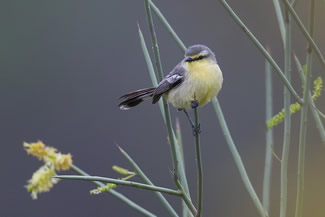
(197, 130)
(194, 105)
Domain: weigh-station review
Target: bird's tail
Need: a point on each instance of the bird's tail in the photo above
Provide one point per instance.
(134, 98)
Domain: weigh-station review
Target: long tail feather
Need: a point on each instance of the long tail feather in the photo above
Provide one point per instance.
(134, 98)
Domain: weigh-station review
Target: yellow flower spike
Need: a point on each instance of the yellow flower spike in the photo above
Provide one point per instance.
(318, 86)
(63, 161)
(42, 180)
(36, 149)
(278, 118)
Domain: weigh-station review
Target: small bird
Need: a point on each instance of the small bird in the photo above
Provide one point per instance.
(192, 83)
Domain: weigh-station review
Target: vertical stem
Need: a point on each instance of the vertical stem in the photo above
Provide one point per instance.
(186, 197)
(303, 120)
(177, 162)
(199, 165)
(279, 16)
(315, 112)
(185, 211)
(269, 138)
(287, 120)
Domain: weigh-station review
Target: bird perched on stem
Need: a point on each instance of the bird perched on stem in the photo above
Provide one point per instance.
(192, 83)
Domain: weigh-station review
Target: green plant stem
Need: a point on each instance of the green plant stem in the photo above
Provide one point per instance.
(321, 114)
(314, 110)
(151, 70)
(237, 159)
(177, 163)
(115, 193)
(305, 33)
(186, 197)
(262, 49)
(185, 211)
(231, 144)
(168, 27)
(303, 120)
(122, 182)
(279, 17)
(269, 138)
(160, 77)
(199, 165)
(287, 121)
(141, 174)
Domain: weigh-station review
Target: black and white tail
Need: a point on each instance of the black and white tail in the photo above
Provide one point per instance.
(134, 98)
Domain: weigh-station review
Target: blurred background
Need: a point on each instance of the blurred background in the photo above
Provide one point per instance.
(64, 65)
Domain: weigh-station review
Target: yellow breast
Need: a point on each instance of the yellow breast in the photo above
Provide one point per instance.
(202, 82)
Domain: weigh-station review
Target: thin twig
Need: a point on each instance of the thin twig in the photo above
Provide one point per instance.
(287, 121)
(269, 138)
(199, 165)
(186, 197)
(150, 69)
(314, 110)
(168, 27)
(141, 174)
(185, 210)
(115, 193)
(279, 17)
(262, 49)
(122, 182)
(303, 119)
(177, 163)
(305, 32)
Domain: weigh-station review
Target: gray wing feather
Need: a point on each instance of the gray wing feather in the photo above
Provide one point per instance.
(173, 79)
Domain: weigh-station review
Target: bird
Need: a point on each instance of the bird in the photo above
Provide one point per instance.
(193, 82)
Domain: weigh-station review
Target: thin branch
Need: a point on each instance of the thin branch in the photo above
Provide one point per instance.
(279, 17)
(116, 194)
(269, 138)
(262, 49)
(122, 182)
(287, 122)
(305, 33)
(141, 174)
(150, 69)
(303, 120)
(199, 165)
(314, 110)
(168, 27)
(185, 211)
(177, 162)
(186, 197)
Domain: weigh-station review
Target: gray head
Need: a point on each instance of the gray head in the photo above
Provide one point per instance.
(198, 52)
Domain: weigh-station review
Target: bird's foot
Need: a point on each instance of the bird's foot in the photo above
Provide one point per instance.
(196, 130)
(194, 104)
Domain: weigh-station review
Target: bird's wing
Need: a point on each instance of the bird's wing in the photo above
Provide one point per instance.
(173, 79)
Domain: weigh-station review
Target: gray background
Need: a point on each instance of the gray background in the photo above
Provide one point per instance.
(65, 63)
